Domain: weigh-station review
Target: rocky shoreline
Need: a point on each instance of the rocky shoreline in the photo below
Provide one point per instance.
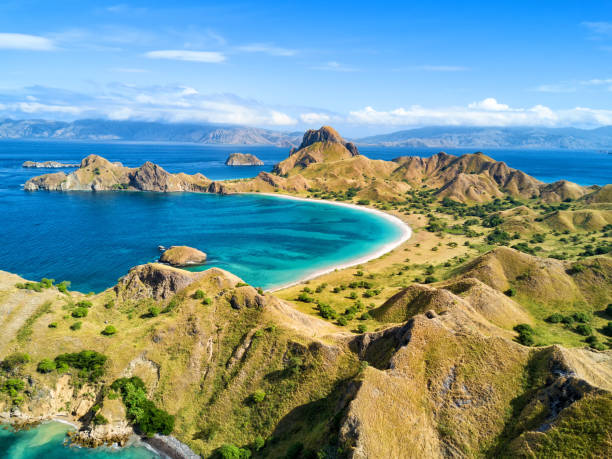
(165, 446)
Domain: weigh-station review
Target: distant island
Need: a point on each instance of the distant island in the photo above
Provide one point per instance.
(243, 159)
(47, 165)
(211, 134)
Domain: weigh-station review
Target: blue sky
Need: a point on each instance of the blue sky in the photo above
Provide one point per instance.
(365, 67)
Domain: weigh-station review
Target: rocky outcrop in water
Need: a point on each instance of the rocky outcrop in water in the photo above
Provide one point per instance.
(243, 159)
(180, 255)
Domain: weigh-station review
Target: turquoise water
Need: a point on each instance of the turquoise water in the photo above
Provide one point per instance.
(47, 441)
(91, 239)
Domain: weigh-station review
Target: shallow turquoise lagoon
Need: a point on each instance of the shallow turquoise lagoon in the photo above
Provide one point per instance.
(48, 441)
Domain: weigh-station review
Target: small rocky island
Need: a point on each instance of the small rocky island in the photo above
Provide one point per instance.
(47, 165)
(243, 159)
(181, 255)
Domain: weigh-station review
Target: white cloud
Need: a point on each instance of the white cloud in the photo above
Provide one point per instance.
(171, 103)
(490, 104)
(36, 107)
(442, 68)
(315, 118)
(25, 42)
(267, 49)
(211, 57)
(335, 67)
(487, 112)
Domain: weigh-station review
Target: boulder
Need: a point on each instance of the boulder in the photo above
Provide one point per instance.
(180, 255)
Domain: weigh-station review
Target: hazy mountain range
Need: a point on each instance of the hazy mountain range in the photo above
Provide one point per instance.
(210, 134)
(143, 131)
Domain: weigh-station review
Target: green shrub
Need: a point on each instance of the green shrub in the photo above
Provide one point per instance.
(91, 363)
(361, 328)
(76, 326)
(258, 443)
(84, 304)
(342, 321)
(583, 329)
(326, 311)
(142, 411)
(555, 318)
(228, 451)
(525, 334)
(206, 301)
(52, 325)
(304, 297)
(154, 311)
(581, 317)
(510, 292)
(109, 330)
(607, 329)
(12, 361)
(109, 304)
(98, 420)
(576, 268)
(258, 396)
(199, 294)
(80, 312)
(46, 366)
(12, 386)
(63, 286)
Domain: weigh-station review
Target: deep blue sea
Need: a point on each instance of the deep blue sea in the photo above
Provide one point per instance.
(92, 239)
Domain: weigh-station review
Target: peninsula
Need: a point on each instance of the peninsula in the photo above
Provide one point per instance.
(487, 333)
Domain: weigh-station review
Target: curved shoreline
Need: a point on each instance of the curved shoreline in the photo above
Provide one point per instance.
(406, 233)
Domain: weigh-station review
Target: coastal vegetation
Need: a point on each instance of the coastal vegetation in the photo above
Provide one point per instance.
(487, 333)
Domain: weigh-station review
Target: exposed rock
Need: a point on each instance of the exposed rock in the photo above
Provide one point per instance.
(180, 255)
(154, 280)
(318, 146)
(243, 159)
(98, 174)
(47, 165)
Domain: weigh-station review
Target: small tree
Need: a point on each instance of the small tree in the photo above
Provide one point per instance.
(109, 330)
(258, 396)
(80, 312)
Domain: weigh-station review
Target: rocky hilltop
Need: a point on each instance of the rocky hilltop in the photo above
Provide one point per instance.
(243, 159)
(98, 174)
(47, 165)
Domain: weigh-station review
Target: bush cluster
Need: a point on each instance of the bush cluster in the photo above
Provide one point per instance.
(142, 411)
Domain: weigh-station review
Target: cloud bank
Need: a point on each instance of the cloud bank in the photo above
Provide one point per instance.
(176, 103)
